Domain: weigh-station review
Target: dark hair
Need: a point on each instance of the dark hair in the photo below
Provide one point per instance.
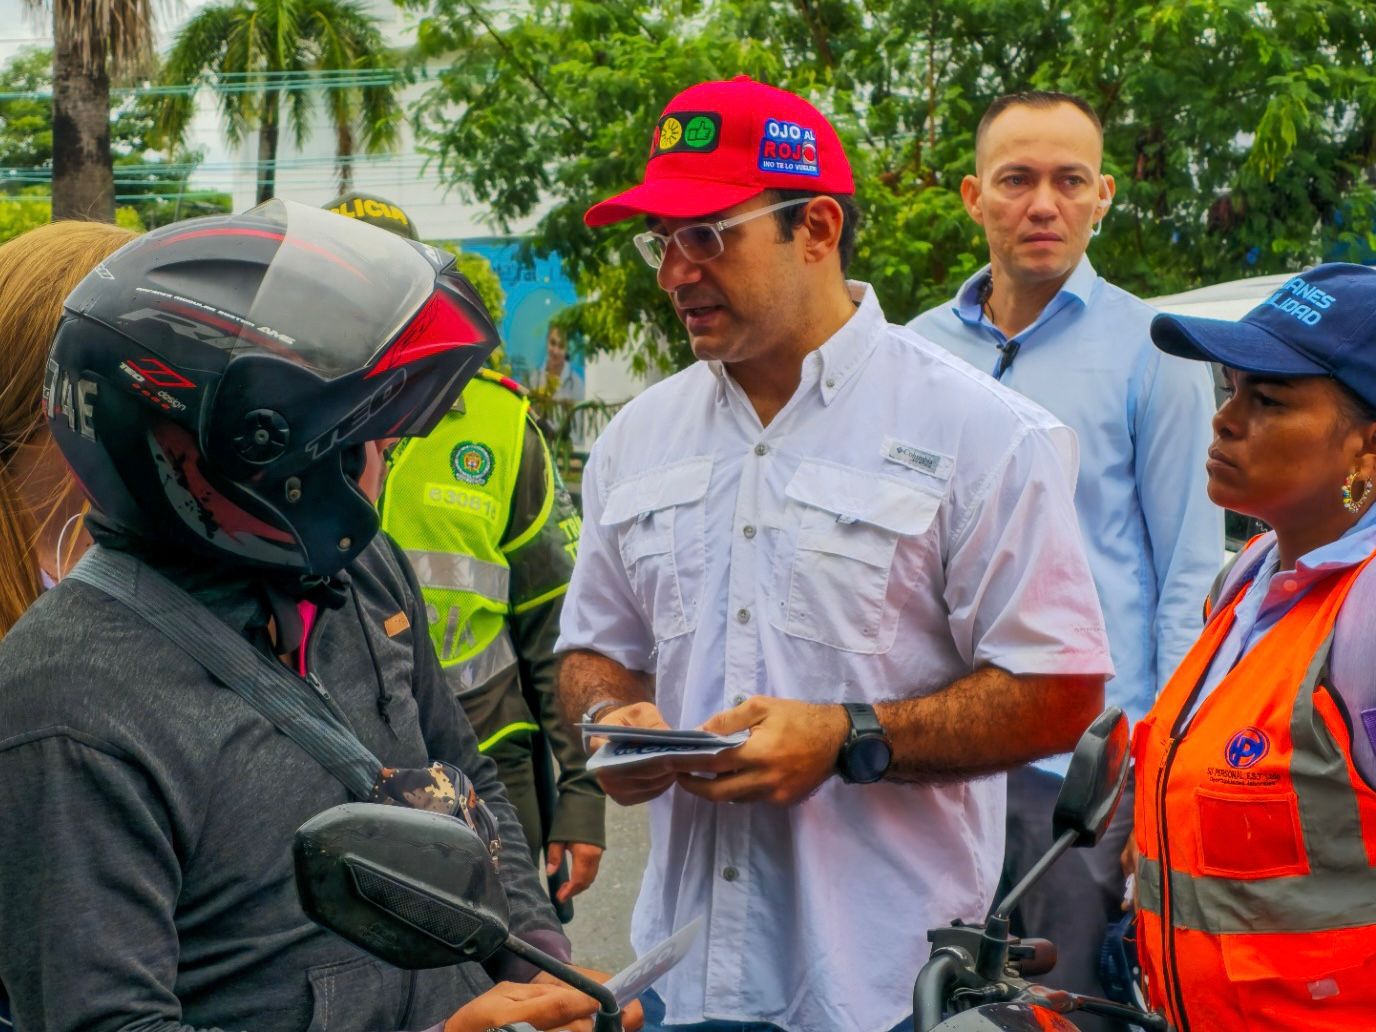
(789, 219)
(1035, 99)
(1355, 408)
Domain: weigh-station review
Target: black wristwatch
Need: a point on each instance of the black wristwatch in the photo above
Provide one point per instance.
(866, 754)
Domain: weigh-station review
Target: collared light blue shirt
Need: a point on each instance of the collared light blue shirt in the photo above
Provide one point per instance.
(1143, 419)
(1271, 594)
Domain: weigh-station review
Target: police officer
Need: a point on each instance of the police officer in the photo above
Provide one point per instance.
(492, 533)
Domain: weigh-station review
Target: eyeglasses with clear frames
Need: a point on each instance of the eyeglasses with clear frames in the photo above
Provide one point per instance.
(701, 241)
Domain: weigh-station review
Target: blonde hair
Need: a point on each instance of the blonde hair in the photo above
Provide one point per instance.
(37, 271)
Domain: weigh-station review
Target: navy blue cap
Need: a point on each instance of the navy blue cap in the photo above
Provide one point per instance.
(1319, 323)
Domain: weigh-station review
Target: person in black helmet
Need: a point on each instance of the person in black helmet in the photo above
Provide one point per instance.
(213, 386)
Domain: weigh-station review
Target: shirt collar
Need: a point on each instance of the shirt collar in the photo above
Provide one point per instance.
(1357, 542)
(836, 362)
(1078, 288)
(1354, 546)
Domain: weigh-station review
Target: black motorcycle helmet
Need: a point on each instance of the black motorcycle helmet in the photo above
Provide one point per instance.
(213, 383)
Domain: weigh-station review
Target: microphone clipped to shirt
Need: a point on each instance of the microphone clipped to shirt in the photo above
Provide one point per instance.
(1009, 349)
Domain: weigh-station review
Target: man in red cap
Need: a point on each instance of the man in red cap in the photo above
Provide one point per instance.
(835, 536)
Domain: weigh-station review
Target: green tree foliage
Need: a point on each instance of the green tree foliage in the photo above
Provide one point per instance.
(26, 120)
(256, 51)
(146, 181)
(29, 209)
(154, 182)
(1241, 134)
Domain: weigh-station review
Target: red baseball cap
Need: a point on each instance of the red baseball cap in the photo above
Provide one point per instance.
(720, 143)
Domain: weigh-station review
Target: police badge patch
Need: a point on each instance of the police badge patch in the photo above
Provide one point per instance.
(472, 462)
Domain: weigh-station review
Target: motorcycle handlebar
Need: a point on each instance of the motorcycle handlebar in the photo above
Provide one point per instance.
(934, 983)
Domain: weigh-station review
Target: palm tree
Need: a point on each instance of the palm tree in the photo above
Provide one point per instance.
(91, 38)
(258, 54)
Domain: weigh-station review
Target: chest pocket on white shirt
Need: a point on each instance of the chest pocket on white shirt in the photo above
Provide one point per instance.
(839, 588)
(660, 518)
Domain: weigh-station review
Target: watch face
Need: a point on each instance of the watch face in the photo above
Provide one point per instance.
(867, 759)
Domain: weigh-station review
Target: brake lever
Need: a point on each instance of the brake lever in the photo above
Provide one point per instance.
(1148, 1020)
(1063, 1002)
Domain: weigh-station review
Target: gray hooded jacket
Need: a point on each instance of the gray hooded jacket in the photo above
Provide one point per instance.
(146, 878)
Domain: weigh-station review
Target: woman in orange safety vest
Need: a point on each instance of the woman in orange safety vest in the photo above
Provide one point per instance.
(1255, 812)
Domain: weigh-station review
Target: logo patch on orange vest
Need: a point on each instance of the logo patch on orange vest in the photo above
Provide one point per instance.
(1246, 747)
(395, 624)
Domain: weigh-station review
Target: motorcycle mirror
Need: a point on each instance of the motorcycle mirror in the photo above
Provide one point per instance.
(415, 888)
(1094, 783)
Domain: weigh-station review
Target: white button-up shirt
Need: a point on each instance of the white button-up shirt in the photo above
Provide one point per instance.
(902, 521)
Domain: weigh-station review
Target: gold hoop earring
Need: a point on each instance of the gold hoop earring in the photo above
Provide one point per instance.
(1354, 505)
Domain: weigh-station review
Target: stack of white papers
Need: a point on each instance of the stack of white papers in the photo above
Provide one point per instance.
(631, 745)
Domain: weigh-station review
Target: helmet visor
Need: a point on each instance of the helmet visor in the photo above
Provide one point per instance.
(378, 281)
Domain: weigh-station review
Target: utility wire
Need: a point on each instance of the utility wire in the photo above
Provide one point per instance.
(246, 82)
(131, 172)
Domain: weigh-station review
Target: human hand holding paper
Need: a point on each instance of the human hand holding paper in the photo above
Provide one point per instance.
(791, 749)
(637, 783)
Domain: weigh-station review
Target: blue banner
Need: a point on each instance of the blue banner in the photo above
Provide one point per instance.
(534, 294)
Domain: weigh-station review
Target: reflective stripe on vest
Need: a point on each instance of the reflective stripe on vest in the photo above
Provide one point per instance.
(1266, 916)
(498, 656)
(455, 572)
(1222, 906)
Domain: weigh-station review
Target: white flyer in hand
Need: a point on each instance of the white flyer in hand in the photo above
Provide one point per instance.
(656, 735)
(630, 752)
(630, 982)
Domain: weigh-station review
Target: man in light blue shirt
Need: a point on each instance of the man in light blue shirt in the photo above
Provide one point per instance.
(1043, 322)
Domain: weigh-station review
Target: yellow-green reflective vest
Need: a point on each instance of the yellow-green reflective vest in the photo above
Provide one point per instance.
(447, 502)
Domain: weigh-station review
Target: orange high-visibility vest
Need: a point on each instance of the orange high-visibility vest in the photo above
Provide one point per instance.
(1268, 917)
